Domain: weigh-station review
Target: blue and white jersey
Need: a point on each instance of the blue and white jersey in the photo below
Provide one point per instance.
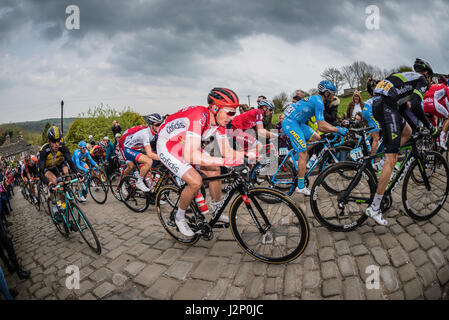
(305, 109)
(367, 113)
(78, 157)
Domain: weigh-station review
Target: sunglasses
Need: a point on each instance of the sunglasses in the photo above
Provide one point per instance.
(230, 113)
(157, 125)
(55, 141)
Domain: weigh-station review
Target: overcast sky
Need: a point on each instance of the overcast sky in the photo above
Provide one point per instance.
(157, 55)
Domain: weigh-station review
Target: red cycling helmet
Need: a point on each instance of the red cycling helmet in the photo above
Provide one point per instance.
(222, 98)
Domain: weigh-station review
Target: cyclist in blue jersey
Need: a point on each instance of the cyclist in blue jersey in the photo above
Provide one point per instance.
(295, 126)
(80, 158)
(367, 115)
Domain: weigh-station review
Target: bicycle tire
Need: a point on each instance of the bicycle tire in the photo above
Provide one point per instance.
(114, 181)
(245, 234)
(83, 224)
(61, 227)
(97, 189)
(165, 214)
(325, 214)
(135, 196)
(418, 189)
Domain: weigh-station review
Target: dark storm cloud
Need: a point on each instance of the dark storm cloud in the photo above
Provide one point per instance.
(166, 37)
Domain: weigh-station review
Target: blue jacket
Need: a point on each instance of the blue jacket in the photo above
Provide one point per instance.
(78, 157)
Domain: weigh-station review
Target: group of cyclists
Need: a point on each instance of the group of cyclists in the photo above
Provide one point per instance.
(177, 140)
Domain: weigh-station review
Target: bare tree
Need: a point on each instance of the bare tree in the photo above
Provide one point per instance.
(348, 74)
(280, 102)
(313, 91)
(334, 76)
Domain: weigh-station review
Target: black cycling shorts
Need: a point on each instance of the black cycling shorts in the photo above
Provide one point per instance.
(57, 171)
(391, 122)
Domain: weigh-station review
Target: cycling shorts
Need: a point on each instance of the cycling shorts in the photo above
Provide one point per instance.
(173, 159)
(298, 133)
(57, 171)
(131, 154)
(391, 123)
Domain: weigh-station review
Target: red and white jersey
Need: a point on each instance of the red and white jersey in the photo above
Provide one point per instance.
(248, 120)
(136, 138)
(436, 100)
(190, 121)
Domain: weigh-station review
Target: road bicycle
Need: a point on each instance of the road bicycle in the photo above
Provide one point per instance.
(271, 233)
(424, 189)
(73, 218)
(92, 185)
(285, 178)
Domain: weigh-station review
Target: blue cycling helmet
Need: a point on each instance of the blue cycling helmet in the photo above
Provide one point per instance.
(267, 103)
(326, 85)
(82, 144)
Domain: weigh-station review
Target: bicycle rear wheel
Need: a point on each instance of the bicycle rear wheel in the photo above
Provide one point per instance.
(97, 190)
(284, 232)
(332, 207)
(419, 202)
(132, 197)
(114, 181)
(166, 212)
(85, 228)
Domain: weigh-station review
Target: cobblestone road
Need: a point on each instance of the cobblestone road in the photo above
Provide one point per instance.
(140, 261)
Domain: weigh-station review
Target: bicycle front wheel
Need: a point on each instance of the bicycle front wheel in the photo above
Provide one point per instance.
(281, 233)
(98, 190)
(336, 207)
(167, 200)
(85, 228)
(420, 202)
(135, 199)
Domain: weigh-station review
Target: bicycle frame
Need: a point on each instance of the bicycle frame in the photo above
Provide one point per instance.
(238, 185)
(327, 146)
(398, 176)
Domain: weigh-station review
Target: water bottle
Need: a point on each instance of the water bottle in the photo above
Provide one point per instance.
(368, 144)
(201, 203)
(311, 161)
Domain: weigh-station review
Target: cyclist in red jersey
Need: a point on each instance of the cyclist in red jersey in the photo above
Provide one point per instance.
(179, 148)
(437, 104)
(241, 125)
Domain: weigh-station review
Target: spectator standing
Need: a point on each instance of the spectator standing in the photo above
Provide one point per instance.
(331, 111)
(116, 127)
(4, 287)
(355, 106)
(300, 93)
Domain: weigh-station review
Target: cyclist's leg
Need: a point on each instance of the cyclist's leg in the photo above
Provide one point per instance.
(297, 138)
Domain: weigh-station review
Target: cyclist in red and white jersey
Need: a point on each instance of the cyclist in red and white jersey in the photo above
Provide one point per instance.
(252, 119)
(436, 102)
(179, 148)
(135, 139)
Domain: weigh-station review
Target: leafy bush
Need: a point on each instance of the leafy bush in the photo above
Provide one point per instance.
(98, 123)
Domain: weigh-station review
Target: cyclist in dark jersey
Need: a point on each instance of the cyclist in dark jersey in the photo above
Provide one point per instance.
(54, 160)
(400, 93)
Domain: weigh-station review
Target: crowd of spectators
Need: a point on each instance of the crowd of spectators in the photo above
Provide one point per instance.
(10, 263)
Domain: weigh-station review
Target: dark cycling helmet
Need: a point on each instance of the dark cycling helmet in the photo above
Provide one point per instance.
(54, 134)
(326, 85)
(102, 144)
(421, 66)
(222, 97)
(267, 103)
(154, 118)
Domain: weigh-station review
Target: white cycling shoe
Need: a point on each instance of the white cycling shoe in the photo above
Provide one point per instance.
(184, 227)
(305, 191)
(141, 186)
(376, 215)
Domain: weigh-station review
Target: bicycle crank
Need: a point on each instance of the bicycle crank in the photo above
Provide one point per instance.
(386, 203)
